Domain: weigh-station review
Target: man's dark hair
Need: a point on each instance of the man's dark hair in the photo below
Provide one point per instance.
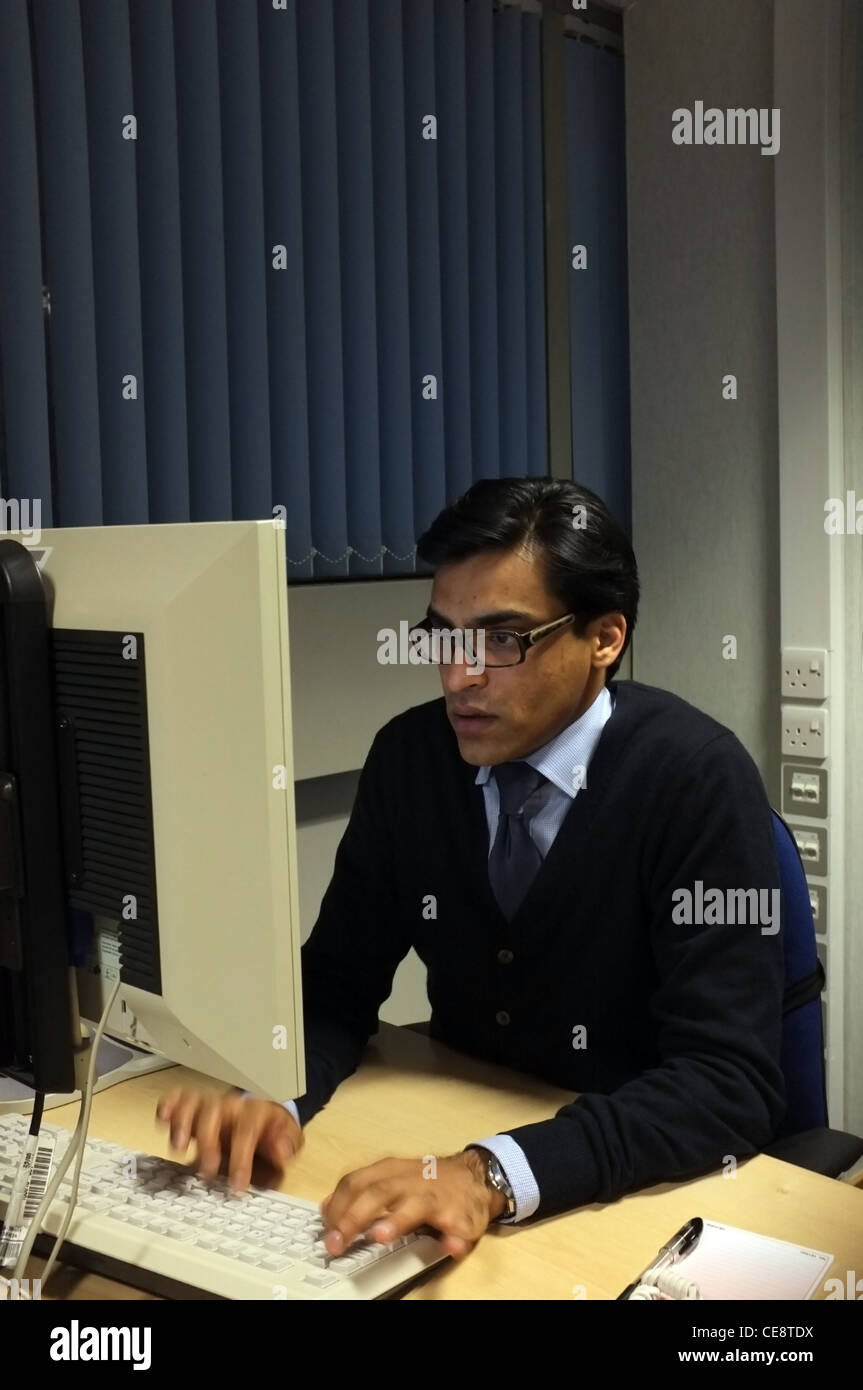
(588, 560)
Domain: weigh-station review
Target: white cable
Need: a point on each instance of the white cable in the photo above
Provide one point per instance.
(75, 1150)
(657, 1282)
(33, 1228)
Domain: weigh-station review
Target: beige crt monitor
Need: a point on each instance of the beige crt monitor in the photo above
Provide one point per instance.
(171, 660)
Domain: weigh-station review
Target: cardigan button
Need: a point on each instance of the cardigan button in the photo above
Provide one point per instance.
(502, 1017)
(504, 956)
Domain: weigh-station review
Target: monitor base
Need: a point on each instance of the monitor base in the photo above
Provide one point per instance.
(117, 1062)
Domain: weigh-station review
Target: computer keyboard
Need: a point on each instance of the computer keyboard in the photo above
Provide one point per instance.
(154, 1224)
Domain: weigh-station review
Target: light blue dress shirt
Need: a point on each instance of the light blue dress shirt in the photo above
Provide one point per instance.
(563, 762)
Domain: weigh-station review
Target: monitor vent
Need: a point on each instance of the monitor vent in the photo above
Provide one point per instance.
(101, 710)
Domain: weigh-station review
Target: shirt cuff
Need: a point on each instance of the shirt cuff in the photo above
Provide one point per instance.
(518, 1174)
(290, 1105)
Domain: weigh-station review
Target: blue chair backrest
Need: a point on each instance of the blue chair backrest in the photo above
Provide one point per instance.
(802, 1038)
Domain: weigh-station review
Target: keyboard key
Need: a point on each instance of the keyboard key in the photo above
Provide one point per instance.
(364, 1255)
(91, 1203)
(275, 1262)
(320, 1280)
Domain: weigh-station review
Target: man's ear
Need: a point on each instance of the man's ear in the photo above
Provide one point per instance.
(609, 637)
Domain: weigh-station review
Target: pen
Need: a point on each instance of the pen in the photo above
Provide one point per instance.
(680, 1244)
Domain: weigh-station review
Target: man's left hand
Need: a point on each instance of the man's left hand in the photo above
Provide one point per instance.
(397, 1195)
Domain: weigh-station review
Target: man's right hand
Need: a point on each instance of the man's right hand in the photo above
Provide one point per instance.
(228, 1127)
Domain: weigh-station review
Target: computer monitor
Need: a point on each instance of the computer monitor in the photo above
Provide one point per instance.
(173, 737)
(40, 1031)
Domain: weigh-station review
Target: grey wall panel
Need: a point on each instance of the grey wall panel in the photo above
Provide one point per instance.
(852, 296)
(341, 694)
(702, 304)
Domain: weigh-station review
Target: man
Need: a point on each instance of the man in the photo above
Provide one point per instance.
(568, 830)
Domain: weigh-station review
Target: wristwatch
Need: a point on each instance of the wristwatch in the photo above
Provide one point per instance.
(495, 1177)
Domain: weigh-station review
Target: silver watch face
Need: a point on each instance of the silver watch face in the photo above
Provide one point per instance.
(497, 1179)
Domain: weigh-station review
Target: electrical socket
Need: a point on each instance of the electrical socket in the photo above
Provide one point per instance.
(818, 903)
(804, 673)
(804, 790)
(804, 731)
(812, 844)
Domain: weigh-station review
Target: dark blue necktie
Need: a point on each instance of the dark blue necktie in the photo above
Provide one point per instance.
(514, 859)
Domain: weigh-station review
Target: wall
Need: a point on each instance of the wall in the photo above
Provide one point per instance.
(852, 299)
(341, 695)
(702, 304)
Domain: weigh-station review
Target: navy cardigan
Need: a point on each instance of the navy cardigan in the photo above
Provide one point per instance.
(678, 1064)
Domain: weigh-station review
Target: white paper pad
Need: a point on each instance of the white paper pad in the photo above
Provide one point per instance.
(728, 1263)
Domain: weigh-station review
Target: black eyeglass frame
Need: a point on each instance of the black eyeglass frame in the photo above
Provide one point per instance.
(525, 640)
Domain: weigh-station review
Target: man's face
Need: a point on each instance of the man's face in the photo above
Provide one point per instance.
(500, 714)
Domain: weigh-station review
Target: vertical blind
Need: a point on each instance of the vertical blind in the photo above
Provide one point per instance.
(598, 315)
(289, 253)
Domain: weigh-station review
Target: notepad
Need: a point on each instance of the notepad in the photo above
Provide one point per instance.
(728, 1263)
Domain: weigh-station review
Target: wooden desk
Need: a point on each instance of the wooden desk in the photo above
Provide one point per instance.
(413, 1096)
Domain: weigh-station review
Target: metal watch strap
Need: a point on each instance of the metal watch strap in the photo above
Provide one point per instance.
(496, 1178)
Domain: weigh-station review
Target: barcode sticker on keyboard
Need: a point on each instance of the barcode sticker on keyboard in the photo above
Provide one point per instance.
(28, 1189)
(11, 1240)
(40, 1175)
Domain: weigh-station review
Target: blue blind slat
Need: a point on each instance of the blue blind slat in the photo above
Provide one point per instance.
(245, 266)
(512, 345)
(597, 302)
(536, 462)
(359, 325)
(203, 238)
(21, 326)
(427, 382)
(116, 280)
(451, 108)
(319, 147)
(68, 270)
(391, 269)
(283, 220)
(611, 200)
(160, 250)
(482, 237)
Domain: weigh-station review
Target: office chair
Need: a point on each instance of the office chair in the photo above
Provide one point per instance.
(803, 1137)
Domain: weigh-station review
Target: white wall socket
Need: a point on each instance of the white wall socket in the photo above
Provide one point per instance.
(804, 731)
(804, 673)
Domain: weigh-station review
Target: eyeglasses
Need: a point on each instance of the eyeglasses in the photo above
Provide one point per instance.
(488, 646)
